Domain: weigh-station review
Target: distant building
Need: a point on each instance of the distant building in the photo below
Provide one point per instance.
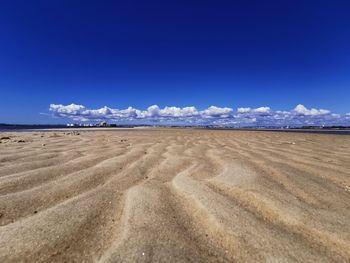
(103, 124)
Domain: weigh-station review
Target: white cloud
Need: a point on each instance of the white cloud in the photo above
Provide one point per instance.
(218, 112)
(262, 109)
(244, 110)
(213, 115)
(257, 110)
(152, 111)
(301, 109)
(179, 112)
(68, 109)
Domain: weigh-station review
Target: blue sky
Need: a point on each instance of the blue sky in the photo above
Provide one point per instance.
(230, 54)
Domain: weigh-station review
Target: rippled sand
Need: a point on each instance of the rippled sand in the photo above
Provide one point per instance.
(174, 196)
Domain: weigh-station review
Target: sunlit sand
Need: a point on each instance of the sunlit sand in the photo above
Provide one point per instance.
(175, 195)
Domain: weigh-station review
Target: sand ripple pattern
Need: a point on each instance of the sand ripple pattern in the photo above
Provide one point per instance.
(175, 195)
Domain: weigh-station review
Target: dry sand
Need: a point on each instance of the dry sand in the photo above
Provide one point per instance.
(174, 196)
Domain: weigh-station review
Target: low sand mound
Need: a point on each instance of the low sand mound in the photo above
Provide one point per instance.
(174, 196)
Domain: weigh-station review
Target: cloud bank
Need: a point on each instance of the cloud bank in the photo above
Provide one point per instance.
(218, 116)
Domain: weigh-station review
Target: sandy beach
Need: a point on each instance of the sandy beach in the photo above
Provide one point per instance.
(174, 195)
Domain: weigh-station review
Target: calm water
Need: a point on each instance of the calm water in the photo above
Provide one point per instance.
(75, 130)
(334, 132)
(62, 128)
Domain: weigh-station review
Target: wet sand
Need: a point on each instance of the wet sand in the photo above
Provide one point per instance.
(174, 195)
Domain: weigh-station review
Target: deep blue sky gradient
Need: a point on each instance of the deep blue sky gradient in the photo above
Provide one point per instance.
(172, 53)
